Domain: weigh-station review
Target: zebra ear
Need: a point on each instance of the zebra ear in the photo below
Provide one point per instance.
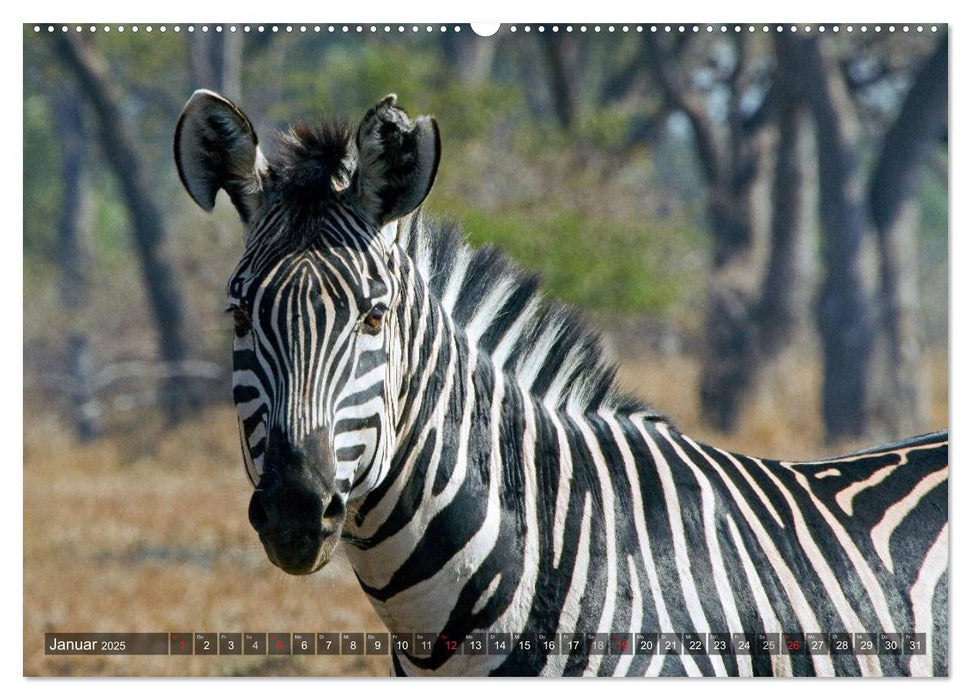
(216, 148)
(397, 161)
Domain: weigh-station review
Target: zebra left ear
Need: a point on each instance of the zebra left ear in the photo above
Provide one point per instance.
(216, 148)
(397, 162)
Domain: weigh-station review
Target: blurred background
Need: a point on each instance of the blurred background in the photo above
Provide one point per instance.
(757, 221)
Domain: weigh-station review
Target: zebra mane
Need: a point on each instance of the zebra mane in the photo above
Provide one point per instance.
(546, 347)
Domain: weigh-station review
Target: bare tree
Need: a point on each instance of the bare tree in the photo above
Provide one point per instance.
(728, 157)
(73, 259)
(751, 318)
(844, 312)
(851, 208)
(560, 51)
(785, 288)
(894, 208)
(147, 224)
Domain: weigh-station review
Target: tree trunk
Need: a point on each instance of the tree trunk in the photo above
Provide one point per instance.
(844, 315)
(561, 55)
(147, 222)
(73, 261)
(232, 65)
(470, 55)
(785, 286)
(215, 61)
(894, 207)
(729, 164)
(205, 60)
(730, 355)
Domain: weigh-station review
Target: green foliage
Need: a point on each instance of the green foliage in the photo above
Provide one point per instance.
(110, 225)
(465, 113)
(348, 77)
(607, 129)
(345, 77)
(933, 248)
(933, 207)
(42, 189)
(630, 267)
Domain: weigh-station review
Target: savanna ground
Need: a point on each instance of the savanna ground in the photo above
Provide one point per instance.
(147, 530)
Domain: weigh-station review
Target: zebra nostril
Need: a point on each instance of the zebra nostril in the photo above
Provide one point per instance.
(334, 509)
(258, 516)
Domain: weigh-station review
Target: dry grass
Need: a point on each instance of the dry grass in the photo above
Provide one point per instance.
(146, 531)
(138, 535)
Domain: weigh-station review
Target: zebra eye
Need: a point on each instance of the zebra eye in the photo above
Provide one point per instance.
(241, 320)
(371, 323)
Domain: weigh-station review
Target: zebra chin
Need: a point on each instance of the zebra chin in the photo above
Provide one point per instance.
(308, 556)
(299, 528)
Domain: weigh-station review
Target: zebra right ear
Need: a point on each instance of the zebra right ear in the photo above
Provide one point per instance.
(216, 148)
(397, 161)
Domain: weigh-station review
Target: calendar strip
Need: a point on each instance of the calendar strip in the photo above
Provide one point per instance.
(484, 643)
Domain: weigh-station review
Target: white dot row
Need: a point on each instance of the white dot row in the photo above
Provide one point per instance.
(289, 28)
(427, 28)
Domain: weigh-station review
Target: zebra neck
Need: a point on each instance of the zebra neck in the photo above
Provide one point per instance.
(436, 517)
(451, 538)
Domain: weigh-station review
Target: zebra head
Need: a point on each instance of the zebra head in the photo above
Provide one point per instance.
(313, 300)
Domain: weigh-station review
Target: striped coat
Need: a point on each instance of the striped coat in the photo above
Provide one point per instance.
(417, 404)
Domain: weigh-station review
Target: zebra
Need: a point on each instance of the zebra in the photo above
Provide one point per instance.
(464, 440)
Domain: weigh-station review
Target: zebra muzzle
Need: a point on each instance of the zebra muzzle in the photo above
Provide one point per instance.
(298, 527)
